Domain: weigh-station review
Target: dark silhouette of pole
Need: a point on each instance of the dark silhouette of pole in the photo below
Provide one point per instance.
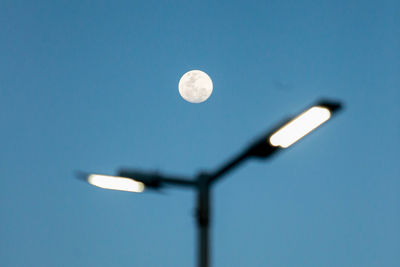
(203, 220)
(203, 185)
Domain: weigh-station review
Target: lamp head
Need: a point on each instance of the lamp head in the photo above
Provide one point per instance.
(294, 129)
(115, 183)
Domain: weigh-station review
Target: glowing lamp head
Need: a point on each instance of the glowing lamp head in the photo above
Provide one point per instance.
(300, 126)
(115, 183)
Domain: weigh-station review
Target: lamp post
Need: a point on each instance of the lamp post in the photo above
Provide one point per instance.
(280, 138)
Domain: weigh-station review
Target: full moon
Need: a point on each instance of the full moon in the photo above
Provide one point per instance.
(195, 86)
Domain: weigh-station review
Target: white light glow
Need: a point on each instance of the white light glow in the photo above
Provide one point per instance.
(116, 183)
(300, 126)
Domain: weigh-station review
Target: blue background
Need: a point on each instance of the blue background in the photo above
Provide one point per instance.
(92, 85)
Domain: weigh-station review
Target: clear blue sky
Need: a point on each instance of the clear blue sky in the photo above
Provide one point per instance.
(92, 85)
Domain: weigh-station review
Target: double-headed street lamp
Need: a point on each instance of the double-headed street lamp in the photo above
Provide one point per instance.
(278, 139)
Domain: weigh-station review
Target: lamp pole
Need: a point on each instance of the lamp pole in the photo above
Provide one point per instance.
(203, 220)
(279, 138)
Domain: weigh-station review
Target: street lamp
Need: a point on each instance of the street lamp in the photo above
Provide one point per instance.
(280, 138)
